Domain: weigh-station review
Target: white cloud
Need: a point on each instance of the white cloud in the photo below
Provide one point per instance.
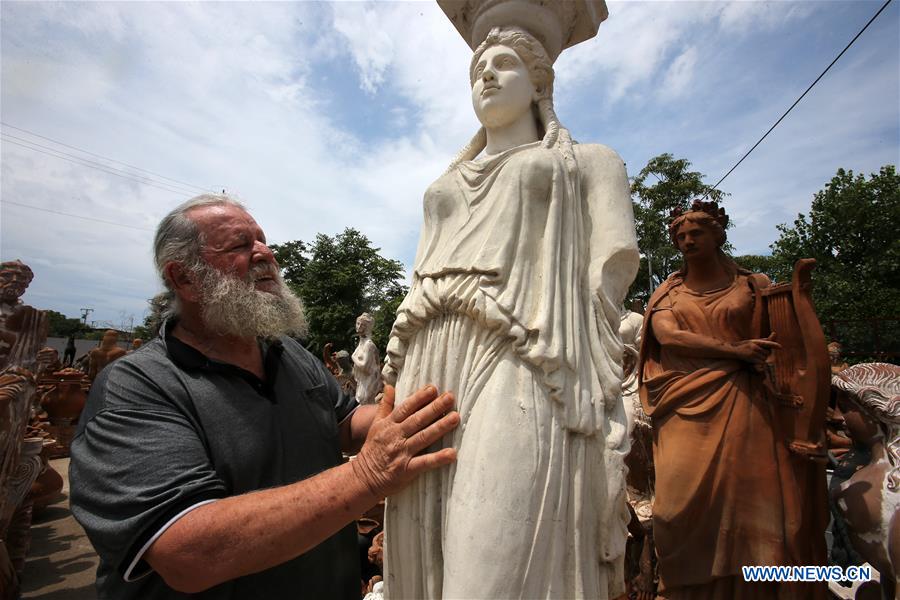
(255, 97)
(681, 74)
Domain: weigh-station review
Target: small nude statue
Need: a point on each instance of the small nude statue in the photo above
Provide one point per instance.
(366, 362)
(104, 354)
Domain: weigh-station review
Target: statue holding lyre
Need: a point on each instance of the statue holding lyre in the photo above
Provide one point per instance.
(734, 375)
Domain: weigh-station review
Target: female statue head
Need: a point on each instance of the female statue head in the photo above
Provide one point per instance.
(364, 323)
(699, 234)
(505, 56)
(706, 214)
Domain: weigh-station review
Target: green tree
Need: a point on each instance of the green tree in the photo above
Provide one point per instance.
(760, 263)
(673, 187)
(851, 231)
(338, 278)
(63, 326)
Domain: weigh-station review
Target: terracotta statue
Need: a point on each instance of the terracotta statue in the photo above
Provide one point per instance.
(339, 365)
(721, 502)
(838, 364)
(869, 501)
(524, 258)
(136, 343)
(104, 354)
(17, 386)
(23, 329)
(366, 362)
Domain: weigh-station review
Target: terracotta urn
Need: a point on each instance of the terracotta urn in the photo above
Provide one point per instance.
(64, 405)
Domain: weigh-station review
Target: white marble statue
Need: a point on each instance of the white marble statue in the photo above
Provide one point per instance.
(526, 253)
(366, 362)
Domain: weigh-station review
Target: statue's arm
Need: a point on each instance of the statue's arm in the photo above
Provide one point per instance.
(614, 256)
(670, 335)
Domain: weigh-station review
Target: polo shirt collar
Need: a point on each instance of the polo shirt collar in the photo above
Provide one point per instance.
(188, 357)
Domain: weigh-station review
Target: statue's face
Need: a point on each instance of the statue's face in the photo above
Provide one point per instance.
(13, 283)
(696, 241)
(502, 91)
(363, 326)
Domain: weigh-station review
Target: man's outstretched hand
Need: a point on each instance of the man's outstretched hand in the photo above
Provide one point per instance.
(390, 458)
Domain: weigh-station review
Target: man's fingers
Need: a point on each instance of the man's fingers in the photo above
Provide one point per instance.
(386, 406)
(415, 402)
(432, 460)
(427, 414)
(433, 432)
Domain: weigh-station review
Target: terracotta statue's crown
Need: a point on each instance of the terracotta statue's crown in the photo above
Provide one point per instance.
(557, 24)
(711, 208)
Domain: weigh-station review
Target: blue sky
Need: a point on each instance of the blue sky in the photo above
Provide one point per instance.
(322, 116)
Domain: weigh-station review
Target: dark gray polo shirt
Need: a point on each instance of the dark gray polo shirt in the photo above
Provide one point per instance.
(165, 429)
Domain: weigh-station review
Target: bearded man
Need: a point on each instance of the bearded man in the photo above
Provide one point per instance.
(209, 463)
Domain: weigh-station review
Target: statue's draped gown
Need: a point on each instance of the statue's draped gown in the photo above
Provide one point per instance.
(523, 261)
(718, 502)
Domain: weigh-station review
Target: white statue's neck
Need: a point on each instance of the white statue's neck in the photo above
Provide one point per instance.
(521, 131)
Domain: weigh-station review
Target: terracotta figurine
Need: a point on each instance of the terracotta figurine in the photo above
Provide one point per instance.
(838, 364)
(104, 354)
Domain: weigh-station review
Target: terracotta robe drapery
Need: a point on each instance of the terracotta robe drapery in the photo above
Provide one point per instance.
(718, 503)
(522, 264)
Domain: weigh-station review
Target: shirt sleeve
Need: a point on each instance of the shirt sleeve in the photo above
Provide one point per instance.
(138, 462)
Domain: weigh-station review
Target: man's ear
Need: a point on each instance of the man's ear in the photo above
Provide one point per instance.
(182, 281)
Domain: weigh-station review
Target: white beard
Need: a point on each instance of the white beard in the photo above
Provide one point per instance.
(233, 306)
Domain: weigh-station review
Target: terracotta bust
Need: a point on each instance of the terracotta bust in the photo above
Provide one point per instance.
(719, 493)
(104, 354)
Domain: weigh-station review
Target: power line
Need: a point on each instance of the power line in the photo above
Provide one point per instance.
(93, 165)
(797, 101)
(189, 185)
(65, 214)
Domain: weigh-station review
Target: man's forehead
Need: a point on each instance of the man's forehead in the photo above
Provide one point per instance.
(210, 219)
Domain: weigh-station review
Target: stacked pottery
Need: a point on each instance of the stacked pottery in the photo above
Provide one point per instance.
(64, 405)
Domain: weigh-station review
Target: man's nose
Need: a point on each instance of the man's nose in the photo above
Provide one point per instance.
(263, 253)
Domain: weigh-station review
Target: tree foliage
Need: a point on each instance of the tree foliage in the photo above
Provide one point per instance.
(63, 326)
(851, 231)
(338, 278)
(673, 186)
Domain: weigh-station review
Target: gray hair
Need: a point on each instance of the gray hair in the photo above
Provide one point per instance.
(179, 240)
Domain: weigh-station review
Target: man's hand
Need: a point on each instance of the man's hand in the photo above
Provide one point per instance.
(389, 459)
(756, 351)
